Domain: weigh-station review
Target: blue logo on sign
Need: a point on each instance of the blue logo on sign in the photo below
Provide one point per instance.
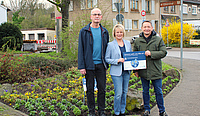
(134, 63)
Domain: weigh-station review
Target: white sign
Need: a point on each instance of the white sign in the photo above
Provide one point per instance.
(84, 84)
(134, 60)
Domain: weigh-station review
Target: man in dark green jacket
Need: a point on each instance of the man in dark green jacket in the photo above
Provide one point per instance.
(155, 49)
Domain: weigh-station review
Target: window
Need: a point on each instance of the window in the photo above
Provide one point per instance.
(41, 36)
(189, 9)
(134, 5)
(24, 37)
(194, 9)
(135, 24)
(166, 9)
(185, 7)
(173, 9)
(88, 4)
(116, 1)
(147, 6)
(71, 6)
(198, 10)
(128, 24)
(31, 36)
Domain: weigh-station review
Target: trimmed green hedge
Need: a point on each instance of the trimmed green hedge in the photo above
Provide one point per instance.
(11, 35)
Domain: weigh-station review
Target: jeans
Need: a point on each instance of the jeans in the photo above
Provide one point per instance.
(100, 74)
(121, 89)
(158, 91)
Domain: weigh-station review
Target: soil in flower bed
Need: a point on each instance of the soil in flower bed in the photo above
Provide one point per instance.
(24, 88)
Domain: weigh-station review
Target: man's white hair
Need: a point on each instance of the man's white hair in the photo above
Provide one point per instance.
(95, 9)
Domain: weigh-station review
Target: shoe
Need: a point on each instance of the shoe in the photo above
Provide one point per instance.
(163, 114)
(146, 113)
(92, 114)
(102, 114)
(122, 114)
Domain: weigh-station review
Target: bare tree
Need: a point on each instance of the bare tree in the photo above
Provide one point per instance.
(16, 5)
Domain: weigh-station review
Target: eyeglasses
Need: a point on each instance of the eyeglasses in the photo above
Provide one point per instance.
(96, 14)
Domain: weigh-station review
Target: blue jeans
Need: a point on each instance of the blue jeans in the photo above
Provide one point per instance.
(121, 89)
(100, 74)
(157, 84)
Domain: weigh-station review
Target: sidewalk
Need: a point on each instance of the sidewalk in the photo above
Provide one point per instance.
(8, 111)
(184, 100)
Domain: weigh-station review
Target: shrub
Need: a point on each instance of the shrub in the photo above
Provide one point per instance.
(13, 71)
(9, 31)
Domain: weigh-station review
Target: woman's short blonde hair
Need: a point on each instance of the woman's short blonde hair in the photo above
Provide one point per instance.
(120, 26)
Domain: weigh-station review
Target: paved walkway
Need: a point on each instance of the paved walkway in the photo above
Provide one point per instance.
(184, 100)
(8, 111)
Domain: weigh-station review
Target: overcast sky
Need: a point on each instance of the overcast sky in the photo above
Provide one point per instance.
(47, 4)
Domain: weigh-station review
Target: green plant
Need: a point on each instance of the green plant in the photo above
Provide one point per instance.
(69, 104)
(31, 107)
(66, 113)
(176, 80)
(59, 104)
(42, 113)
(107, 94)
(140, 82)
(53, 101)
(84, 107)
(54, 113)
(79, 103)
(72, 106)
(153, 98)
(38, 104)
(27, 104)
(108, 87)
(133, 86)
(151, 90)
(47, 104)
(63, 107)
(74, 100)
(40, 108)
(64, 101)
(16, 106)
(112, 92)
(32, 113)
(51, 108)
(77, 111)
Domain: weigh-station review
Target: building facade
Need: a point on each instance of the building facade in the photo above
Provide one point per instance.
(131, 10)
(191, 12)
(38, 34)
(3, 14)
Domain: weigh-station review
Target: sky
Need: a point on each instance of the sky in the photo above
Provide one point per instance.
(7, 2)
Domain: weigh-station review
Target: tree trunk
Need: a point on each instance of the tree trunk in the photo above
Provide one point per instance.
(65, 13)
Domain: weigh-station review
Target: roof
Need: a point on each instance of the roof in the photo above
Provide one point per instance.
(192, 1)
(4, 7)
(38, 29)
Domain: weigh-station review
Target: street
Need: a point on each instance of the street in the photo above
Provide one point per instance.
(188, 53)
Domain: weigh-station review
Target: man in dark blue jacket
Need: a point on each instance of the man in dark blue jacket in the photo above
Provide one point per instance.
(93, 40)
